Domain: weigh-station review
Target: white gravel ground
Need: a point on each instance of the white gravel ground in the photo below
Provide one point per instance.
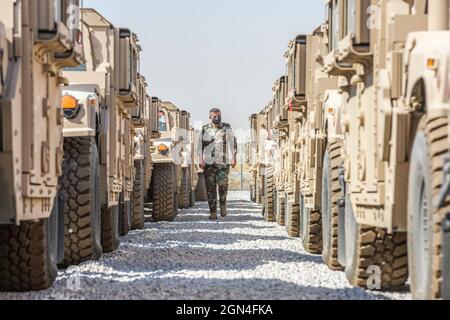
(240, 257)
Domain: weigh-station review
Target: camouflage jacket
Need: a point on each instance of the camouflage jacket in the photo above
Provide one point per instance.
(217, 145)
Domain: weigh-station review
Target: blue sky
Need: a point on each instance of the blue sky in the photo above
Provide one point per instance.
(205, 53)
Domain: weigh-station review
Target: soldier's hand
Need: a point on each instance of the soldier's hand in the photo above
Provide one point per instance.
(234, 163)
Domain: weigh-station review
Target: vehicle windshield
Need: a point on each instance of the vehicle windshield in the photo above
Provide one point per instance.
(81, 67)
(162, 122)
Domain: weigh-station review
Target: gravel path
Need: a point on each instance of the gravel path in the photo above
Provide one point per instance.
(241, 257)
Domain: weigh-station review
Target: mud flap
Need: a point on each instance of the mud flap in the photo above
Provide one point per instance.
(446, 258)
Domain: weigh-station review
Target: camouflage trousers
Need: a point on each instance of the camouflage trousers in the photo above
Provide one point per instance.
(216, 176)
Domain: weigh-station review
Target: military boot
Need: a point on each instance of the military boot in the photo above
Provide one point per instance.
(223, 210)
(213, 216)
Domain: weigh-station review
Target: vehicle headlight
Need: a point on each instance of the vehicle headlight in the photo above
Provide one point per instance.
(70, 106)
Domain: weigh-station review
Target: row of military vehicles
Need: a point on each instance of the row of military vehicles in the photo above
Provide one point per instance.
(352, 153)
(82, 144)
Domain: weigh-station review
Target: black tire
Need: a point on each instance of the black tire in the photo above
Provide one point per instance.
(201, 193)
(124, 216)
(259, 190)
(28, 255)
(368, 247)
(165, 196)
(331, 192)
(192, 199)
(292, 217)
(269, 188)
(81, 187)
(253, 188)
(185, 190)
(147, 168)
(424, 217)
(57, 221)
(252, 193)
(110, 229)
(311, 229)
(280, 208)
(138, 214)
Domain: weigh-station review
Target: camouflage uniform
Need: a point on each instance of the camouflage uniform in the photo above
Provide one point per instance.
(217, 146)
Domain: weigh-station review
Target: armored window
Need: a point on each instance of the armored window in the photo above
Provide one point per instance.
(351, 16)
(126, 62)
(291, 72)
(334, 24)
(133, 63)
(70, 16)
(356, 22)
(154, 114)
(163, 122)
(300, 66)
(131, 70)
(58, 8)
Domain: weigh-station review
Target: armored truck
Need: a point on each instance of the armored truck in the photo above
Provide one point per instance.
(37, 40)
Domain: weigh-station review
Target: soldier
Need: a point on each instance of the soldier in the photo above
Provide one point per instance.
(217, 152)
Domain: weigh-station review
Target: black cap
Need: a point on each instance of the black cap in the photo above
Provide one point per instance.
(215, 110)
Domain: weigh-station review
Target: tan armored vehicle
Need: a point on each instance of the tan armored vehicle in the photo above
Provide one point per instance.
(285, 131)
(252, 156)
(130, 99)
(365, 115)
(393, 69)
(152, 133)
(200, 191)
(266, 166)
(37, 40)
(168, 162)
(318, 151)
(261, 137)
(187, 161)
(264, 158)
(103, 105)
(291, 116)
(145, 127)
(193, 163)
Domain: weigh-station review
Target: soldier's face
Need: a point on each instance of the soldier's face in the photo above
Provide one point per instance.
(216, 117)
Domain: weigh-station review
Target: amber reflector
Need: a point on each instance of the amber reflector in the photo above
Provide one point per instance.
(69, 102)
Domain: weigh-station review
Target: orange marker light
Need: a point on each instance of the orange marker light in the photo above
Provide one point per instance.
(69, 102)
(92, 101)
(162, 148)
(431, 63)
